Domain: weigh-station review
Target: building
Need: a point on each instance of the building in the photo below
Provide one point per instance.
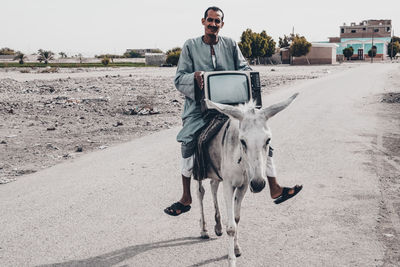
(320, 53)
(7, 57)
(155, 59)
(364, 36)
(142, 52)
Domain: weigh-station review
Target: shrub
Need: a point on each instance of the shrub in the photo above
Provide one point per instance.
(173, 56)
(348, 52)
(131, 54)
(105, 61)
(372, 52)
(7, 51)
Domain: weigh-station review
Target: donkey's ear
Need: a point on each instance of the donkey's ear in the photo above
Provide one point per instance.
(228, 110)
(272, 110)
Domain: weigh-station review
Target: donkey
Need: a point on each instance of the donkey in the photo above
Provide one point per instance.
(239, 156)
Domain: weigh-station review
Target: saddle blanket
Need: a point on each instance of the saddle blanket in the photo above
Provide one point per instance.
(202, 159)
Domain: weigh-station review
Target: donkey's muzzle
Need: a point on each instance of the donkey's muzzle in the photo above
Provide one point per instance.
(257, 186)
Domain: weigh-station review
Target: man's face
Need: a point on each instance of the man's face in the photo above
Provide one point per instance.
(213, 23)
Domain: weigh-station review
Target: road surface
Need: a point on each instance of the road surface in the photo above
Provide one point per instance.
(106, 208)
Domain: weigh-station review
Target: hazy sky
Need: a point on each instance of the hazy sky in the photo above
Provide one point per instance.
(111, 26)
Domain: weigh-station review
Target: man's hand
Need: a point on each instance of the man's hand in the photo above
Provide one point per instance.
(198, 76)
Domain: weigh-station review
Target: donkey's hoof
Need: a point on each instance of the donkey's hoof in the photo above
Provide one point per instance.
(218, 230)
(238, 251)
(204, 235)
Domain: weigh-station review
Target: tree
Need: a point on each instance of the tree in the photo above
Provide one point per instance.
(285, 41)
(255, 45)
(45, 55)
(63, 55)
(245, 43)
(21, 57)
(7, 51)
(270, 48)
(300, 47)
(131, 54)
(372, 52)
(394, 47)
(173, 56)
(348, 52)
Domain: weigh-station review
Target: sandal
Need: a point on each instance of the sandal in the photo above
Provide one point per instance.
(285, 194)
(177, 209)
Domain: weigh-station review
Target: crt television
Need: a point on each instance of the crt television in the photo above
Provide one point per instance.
(231, 88)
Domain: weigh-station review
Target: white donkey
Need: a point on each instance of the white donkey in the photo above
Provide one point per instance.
(239, 155)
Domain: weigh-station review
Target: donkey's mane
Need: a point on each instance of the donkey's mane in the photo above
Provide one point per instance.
(251, 105)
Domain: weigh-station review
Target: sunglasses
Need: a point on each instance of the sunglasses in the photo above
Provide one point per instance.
(217, 21)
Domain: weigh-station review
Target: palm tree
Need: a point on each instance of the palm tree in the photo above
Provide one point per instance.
(21, 57)
(45, 56)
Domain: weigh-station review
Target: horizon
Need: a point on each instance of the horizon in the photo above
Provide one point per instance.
(97, 27)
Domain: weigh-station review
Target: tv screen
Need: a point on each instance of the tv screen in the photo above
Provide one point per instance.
(228, 88)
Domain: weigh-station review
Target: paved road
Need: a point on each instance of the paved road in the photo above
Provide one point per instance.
(106, 208)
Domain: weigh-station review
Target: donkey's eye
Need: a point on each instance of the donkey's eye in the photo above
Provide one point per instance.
(243, 143)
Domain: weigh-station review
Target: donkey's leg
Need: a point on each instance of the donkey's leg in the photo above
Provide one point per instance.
(231, 225)
(200, 194)
(240, 192)
(214, 189)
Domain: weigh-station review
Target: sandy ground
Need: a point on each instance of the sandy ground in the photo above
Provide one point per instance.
(338, 138)
(47, 118)
(387, 166)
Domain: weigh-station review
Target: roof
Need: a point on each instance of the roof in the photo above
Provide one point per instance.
(333, 45)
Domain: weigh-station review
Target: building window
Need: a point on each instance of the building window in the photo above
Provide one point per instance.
(376, 30)
(342, 30)
(388, 29)
(364, 29)
(353, 31)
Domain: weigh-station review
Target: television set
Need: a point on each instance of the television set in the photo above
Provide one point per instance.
(231, 88)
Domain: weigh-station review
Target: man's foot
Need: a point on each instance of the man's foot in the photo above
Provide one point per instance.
(177, 209)
(287, 193)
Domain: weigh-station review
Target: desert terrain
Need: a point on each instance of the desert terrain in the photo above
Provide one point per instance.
(65, 206)
(49, 116)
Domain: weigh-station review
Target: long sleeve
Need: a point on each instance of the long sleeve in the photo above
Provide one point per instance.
(184, 78)
(240, 61)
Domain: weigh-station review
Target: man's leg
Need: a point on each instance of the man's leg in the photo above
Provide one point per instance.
(183, 205)
(276, 191)
(187, 170)
(186, 198)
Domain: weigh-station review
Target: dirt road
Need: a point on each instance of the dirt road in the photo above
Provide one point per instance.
(106, 208)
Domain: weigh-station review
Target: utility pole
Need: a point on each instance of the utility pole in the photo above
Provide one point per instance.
(391, 42)
(372, 47)
(290, 56)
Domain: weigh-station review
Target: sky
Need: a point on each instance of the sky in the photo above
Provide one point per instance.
(94, 27)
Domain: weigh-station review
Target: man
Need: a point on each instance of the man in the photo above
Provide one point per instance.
(209, 52)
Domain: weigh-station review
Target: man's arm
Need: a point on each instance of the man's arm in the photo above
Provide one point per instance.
(240, 61)
(185, 75)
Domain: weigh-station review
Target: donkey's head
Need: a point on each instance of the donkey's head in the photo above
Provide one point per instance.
(254, 137)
